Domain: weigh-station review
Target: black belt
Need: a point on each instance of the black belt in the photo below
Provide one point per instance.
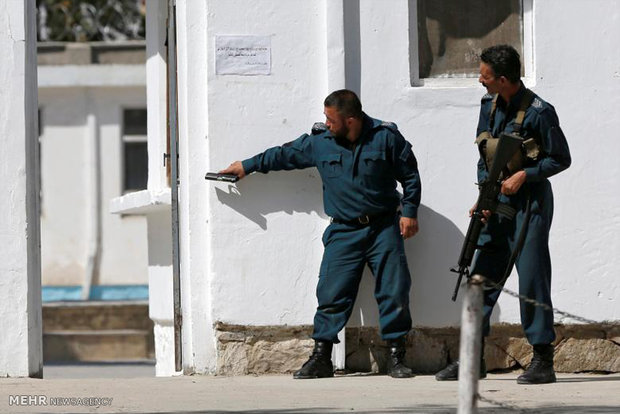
(362, 220)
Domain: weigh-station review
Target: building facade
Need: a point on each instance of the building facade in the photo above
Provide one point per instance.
(254, 74)
(249, 253)
(92, 120)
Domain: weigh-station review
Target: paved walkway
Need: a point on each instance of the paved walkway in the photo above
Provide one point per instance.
(573, 393)
(77, 370)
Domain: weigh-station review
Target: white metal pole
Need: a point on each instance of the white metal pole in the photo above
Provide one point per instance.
(471, 342)
(93, 194)
(336, 79)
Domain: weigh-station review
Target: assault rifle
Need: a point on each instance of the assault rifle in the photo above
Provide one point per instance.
(489, 189)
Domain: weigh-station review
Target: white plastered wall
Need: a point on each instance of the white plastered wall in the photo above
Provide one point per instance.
(266, 231)
(20, 278)
(154, 202)
(274, 222)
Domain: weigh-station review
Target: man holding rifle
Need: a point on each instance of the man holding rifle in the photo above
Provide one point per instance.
(360, 160)
(517, 232)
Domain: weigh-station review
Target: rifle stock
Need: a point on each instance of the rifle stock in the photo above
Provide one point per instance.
(489, 190)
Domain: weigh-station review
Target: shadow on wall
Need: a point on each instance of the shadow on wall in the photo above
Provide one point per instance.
(288, 191)
(430, 254)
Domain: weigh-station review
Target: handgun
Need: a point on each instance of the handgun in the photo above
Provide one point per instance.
(229, 178)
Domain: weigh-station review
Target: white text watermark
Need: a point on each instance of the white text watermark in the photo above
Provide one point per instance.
(45, 400)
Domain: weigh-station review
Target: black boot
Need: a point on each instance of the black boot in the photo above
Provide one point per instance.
(451, 372)
(540, 370)
(319, 365)
(396, 364)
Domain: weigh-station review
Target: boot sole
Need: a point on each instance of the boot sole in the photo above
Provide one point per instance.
(311, 376)
(526, 382)
(446, 379)
(401, 376)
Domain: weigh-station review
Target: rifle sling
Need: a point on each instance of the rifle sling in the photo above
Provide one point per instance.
(505, 209)
(526, 101)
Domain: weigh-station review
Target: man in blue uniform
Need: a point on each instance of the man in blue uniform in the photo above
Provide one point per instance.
(360, 160)
(510, 107)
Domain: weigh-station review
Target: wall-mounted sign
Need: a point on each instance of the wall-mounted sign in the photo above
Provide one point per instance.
(242, 55)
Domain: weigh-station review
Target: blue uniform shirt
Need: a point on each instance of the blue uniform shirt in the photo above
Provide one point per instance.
(356, 182)
(540, 122)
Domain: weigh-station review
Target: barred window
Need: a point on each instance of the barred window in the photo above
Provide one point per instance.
(451, 34)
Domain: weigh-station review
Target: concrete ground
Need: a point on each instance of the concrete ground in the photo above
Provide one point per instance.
(76, 370)
(132, 389)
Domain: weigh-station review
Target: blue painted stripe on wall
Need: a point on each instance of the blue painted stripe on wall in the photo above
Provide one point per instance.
(100, 292)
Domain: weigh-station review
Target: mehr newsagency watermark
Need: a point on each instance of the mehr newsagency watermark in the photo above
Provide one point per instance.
(45, 400)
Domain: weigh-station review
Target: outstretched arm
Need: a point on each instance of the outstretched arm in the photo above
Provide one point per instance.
(296, 154)
(236, 168)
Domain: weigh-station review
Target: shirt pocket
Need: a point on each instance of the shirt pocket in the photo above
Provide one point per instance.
(331, 165)
(374, 163)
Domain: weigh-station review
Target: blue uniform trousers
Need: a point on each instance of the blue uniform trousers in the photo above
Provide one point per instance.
(498, 240)
(348, 248)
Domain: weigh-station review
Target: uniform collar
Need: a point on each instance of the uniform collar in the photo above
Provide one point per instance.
(370, 123)
(515, 99)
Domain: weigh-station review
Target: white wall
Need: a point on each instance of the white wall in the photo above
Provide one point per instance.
(154, 203)
(20, 278)
(67, 191)
(266, 233)
(253, 250)
(582, 79)
(196, 292)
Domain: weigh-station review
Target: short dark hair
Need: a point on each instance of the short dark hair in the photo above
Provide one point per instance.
(346, 102)
(504, 60)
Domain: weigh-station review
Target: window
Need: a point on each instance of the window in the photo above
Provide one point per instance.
(135, 156)
(451, 34)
